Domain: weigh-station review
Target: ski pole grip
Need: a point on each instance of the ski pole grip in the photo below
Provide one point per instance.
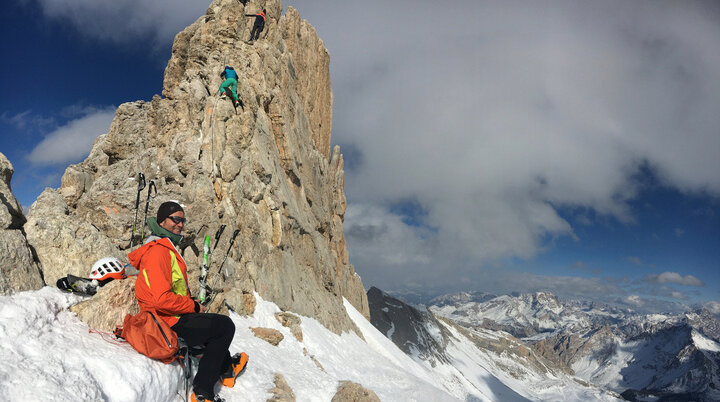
(141, 182)
(232, 240)
(147, 200)
(151, 187)
(217, 235)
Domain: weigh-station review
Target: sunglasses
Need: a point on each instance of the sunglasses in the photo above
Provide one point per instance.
(178, 220)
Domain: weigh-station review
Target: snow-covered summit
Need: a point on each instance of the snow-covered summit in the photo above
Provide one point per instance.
(523, 316)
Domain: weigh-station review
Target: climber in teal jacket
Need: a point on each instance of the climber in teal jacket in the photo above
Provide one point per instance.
(230, 77)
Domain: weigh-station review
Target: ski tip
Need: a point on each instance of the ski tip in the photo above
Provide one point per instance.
(63, 284)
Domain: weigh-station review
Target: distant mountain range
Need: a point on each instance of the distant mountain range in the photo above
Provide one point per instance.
(534, 346)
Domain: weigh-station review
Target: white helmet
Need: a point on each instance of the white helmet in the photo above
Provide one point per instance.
(107, 268)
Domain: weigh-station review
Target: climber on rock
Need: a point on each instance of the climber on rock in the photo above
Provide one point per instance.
(258, 26)
(230, 77)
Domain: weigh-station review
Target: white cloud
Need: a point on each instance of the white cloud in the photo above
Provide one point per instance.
(639, 262)
(384, 237)
(674, 277)
(653, 305)
(156, 21)
(633, 300)
(25, 119)
(712, 306)
(491, 115)
(19, 120)
(677, 295)
(73, 141)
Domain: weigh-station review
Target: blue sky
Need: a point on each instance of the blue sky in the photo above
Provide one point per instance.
(497, 146)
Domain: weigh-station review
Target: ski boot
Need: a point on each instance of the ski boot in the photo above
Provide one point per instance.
(239, 361)
(201, 398)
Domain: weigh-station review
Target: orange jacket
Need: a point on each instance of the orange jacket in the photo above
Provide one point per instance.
(162, 283)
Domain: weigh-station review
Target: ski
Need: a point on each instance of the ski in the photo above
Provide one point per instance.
(80, 286)
(204, 269)
(207, 254)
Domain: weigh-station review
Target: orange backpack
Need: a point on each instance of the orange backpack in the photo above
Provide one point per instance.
(150, 336)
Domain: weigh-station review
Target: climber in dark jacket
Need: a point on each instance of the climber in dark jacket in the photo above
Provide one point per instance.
(230, 77)
(258, 26)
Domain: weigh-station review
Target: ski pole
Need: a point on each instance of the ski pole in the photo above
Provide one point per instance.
(141, 186)
(217, 238)
(151, 186)
(217, 274)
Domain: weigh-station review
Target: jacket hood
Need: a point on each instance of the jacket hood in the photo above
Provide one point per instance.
(137, 255)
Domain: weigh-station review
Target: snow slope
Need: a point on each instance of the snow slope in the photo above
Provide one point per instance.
(50, 355)
(475, 363)
(513, 375)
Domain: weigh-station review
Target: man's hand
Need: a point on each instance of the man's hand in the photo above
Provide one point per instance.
(201, 307)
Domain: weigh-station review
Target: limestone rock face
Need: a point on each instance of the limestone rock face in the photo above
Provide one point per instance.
(354, 392)
(292, 322)
(282, 391)
(11, 215)
(65, 243)
(269, 335)
(19, 269)
(266, 169)
(108, 307)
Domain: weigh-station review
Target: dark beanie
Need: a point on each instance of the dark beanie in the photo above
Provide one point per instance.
(166, 209)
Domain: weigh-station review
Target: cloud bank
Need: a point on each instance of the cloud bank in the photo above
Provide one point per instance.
(73, 141)
(674, 277)
(125, 21)
(493, 117)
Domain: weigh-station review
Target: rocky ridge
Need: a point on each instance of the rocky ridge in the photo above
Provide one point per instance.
(266, 169)
(408, 327)
(19, 269)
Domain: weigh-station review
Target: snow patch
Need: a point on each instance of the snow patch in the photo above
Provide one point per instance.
(704, 343)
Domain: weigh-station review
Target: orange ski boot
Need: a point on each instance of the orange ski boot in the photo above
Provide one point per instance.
(239, 361)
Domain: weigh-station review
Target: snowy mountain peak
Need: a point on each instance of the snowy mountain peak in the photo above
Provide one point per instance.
(642, 356)
(474, 363)
(461, 298)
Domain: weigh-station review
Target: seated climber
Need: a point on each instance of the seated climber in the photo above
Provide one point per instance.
(258, 26)
(162, 286)
(230, 77)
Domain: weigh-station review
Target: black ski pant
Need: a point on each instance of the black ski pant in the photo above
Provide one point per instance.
(255, 33)
(215, 332)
